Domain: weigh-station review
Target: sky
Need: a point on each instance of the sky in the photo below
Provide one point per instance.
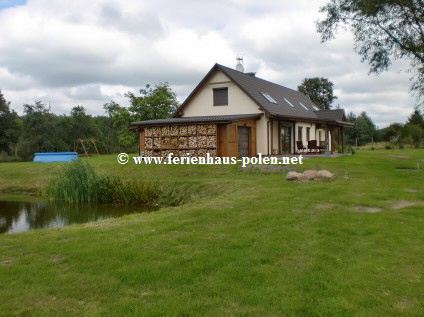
(76, 52)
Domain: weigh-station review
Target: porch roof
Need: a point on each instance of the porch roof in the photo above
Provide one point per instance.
(196, 120)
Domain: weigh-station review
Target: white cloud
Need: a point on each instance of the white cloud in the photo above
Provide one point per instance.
(75, 52)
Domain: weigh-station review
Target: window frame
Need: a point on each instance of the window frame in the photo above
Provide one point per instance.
(216, 99)
(300, 133)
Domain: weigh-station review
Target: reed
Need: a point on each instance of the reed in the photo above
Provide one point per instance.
(78, 182)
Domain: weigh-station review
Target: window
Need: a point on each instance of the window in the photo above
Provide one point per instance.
(299, 133)
(308, 134)
(303, 106)
(289, 102)
(315, 108)
(220, 96)
(268, 97)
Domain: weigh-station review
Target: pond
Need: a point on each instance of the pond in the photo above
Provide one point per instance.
(18, 216)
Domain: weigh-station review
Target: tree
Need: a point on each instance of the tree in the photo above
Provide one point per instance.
(83, 126)
(10, 126)
(364, 130)
(319, 90)
(154, 103)
(415, 133)
(39, 132)
(383, 30)
(121, 118)
(416, 118)
(393, 131)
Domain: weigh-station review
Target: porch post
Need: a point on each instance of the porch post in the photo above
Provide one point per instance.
(272, 135)
(332, 140)
(279, 138)
(342, 128)
(294, 138)
(327, 145)
(339, 133)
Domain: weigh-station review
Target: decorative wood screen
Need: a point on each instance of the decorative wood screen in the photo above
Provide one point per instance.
(181, 140)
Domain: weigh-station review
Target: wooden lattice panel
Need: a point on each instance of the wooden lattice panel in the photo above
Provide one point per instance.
(201, 152)
(201, 129)
(192, 142)
(173, 130)
(148, 143)
(191, 130)
(211, 141)
(196, 140)
(183, 130)
(212, 152)
(156, 143)
(201, 141)
(191, 152)
(183, 142)
(211, 129)
(156, 131)
(165, 131)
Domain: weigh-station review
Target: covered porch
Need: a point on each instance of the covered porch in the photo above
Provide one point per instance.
(307, 138)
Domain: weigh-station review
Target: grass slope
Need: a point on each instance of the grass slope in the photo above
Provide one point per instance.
(248, 244)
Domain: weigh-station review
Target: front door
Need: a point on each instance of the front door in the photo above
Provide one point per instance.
(243, 141)
(285, 137)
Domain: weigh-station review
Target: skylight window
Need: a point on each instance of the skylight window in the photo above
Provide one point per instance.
(289, 102)
(268, 97)
(315, 108)
(303, 106)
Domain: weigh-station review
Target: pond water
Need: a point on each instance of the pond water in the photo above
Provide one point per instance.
(17, 216)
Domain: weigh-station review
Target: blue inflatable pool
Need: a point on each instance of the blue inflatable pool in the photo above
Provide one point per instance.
(55, 157)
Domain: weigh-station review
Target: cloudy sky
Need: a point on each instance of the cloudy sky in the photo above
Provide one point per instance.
(78, 52)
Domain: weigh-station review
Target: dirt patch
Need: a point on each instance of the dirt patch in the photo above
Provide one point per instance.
(403, 303)
(409, 190)
(400, 156)
(401, 204)
(367, 209)
(325, 206)
(6, 262)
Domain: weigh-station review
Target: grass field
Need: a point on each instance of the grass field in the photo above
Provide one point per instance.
(247, 243)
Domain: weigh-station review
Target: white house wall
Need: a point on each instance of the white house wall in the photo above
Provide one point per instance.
(202, 103)
(305, 125)
(238, 103)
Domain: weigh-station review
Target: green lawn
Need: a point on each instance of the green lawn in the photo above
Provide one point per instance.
(248, 243)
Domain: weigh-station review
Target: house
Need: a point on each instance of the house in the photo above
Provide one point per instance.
(234, 114)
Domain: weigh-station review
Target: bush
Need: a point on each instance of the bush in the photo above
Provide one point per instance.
(78, 182)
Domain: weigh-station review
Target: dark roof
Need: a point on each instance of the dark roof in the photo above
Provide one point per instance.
(192, 120)
(330, 115)
(289, 103)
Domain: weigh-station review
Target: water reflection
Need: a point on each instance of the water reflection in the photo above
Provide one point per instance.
(17, 216)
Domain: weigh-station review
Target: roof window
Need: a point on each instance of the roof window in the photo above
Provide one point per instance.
(268, 97)
(303, 106)
(315, 108)
(289, 102)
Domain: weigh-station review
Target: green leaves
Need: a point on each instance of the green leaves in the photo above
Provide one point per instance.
(319, 90)
(154, 103)
(383, 30)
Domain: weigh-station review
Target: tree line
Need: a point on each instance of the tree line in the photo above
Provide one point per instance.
(41, 130)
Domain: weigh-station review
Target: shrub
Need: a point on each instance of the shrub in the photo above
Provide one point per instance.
(78, 182)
